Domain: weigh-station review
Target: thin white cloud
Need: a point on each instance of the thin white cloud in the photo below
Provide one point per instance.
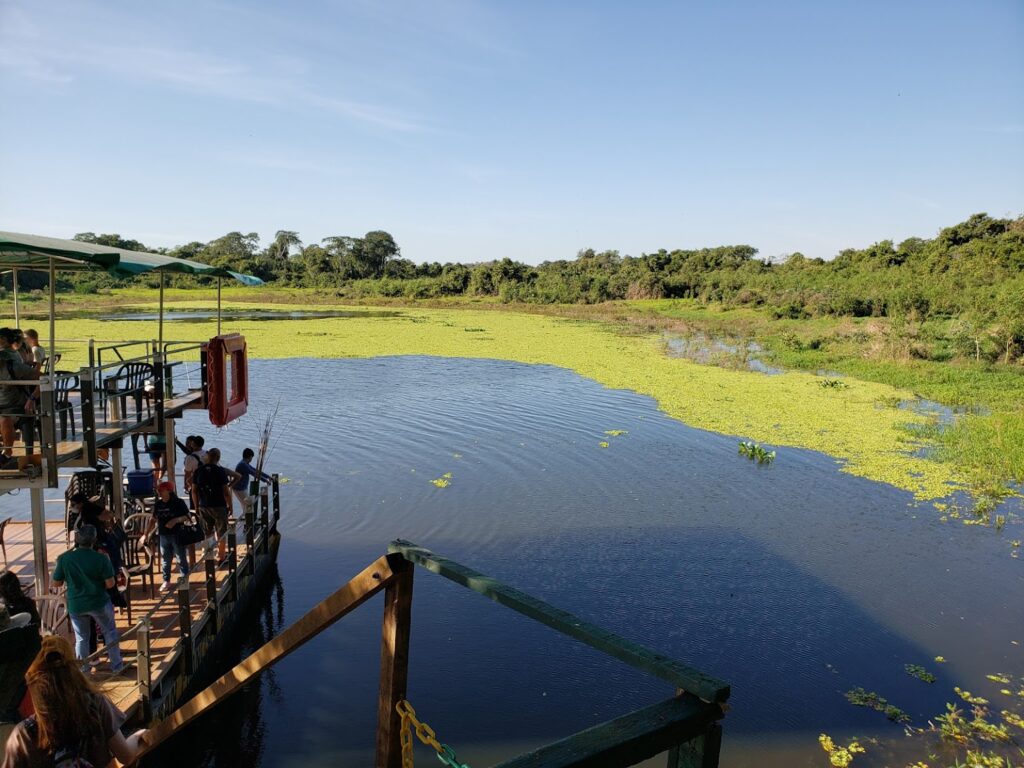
(30, 51)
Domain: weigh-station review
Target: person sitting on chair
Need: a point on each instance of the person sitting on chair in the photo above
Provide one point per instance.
(15, 599)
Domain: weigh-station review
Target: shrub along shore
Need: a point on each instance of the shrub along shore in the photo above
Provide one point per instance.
(623, 345)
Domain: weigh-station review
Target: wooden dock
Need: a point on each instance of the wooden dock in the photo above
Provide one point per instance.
(174, 657)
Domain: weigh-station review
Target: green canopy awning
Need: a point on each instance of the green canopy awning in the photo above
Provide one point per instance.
(32, 252)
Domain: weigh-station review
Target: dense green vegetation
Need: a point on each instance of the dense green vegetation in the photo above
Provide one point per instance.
(943, 318)
(971, 274)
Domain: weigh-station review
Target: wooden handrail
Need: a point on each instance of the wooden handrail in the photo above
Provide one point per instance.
(365, 585)
(626, 740)
(652, 662)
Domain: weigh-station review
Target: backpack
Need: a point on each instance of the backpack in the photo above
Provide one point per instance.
(65, 757)
(208, 481)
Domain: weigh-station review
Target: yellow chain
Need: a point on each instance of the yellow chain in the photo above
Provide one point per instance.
(423, 732)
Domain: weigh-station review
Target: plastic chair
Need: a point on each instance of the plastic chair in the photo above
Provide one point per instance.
(66, 383)
(136, 380)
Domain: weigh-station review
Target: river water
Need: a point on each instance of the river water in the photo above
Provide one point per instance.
(794, 582)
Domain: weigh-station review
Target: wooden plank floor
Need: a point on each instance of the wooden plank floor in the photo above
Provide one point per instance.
(123, 690)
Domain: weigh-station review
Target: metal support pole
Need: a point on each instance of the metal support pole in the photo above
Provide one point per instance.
(161, 321)
(39, 558)
(116, 467)
(88, 407)
(53, 316)
(17, 309)
(265, 519)
(218, 305)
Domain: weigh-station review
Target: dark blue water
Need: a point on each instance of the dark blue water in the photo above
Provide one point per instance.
(794, 582)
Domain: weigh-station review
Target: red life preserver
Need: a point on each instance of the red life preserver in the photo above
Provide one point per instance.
(221, 352)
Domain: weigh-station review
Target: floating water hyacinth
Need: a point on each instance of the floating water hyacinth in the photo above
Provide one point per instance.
(616, 432)
(755, 452)
(443, 481)
(832, 384)
(916, 670)
(604, 444)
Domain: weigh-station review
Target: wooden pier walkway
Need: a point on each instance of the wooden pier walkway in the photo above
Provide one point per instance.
(163, 610)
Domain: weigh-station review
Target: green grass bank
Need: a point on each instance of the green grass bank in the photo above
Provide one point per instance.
(856, 424)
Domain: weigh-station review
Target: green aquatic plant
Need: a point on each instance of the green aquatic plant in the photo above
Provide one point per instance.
(443, 481)
(916, 670)
(839, 756)
(604, 444)
(832, 384)
(755, 452)
(861, 698)
(616, 432)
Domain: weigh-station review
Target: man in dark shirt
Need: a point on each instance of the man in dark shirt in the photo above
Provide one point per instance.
(212, 483)
(170, 512)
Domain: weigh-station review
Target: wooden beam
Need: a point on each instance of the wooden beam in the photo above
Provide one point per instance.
(365, 585)
(652, 662)
(626, 740)
(394, 664)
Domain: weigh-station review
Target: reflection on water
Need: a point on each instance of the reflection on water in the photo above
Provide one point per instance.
(725, 352)
(794, 582)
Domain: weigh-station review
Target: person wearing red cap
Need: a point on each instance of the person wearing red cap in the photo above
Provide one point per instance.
(170, 511)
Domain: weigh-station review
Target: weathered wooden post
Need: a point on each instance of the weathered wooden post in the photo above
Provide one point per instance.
(185, 624)
(394, 662)
(265, 520)
(233, 557)
(88, 408)
(699, 752)
(211, 589)
(276, 490)
(250, 535)
(145, 672)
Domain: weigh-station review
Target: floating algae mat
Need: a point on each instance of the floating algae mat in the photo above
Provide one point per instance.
(851, 423)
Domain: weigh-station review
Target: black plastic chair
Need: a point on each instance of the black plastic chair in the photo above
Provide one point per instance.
(66, 383)
(134, 380)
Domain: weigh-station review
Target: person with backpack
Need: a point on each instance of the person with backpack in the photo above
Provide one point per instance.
(212, 485)
(74, 725)
(195, 457)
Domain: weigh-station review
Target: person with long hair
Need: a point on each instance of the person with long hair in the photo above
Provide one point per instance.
(15, 599)
(72, 719)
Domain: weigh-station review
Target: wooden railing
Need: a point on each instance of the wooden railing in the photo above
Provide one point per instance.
(124, 388)
(686, 724)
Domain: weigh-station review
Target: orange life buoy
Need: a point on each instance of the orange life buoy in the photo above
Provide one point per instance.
(227, 376)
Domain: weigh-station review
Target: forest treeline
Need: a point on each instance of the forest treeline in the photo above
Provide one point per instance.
(972, 272)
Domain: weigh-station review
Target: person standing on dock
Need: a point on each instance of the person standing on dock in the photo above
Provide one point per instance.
(244, 469)
(89, 575)
(15, 400)
(170, 512)
(195, 457)
(212, 484)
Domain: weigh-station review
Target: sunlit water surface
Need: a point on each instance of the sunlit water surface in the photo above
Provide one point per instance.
(793, 582)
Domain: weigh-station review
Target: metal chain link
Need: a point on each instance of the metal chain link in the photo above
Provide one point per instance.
(424, 733)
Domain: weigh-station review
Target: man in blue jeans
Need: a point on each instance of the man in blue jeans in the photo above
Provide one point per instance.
(89, 575)
(170, 512)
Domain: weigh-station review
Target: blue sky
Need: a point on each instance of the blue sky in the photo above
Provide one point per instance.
(473, 131)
